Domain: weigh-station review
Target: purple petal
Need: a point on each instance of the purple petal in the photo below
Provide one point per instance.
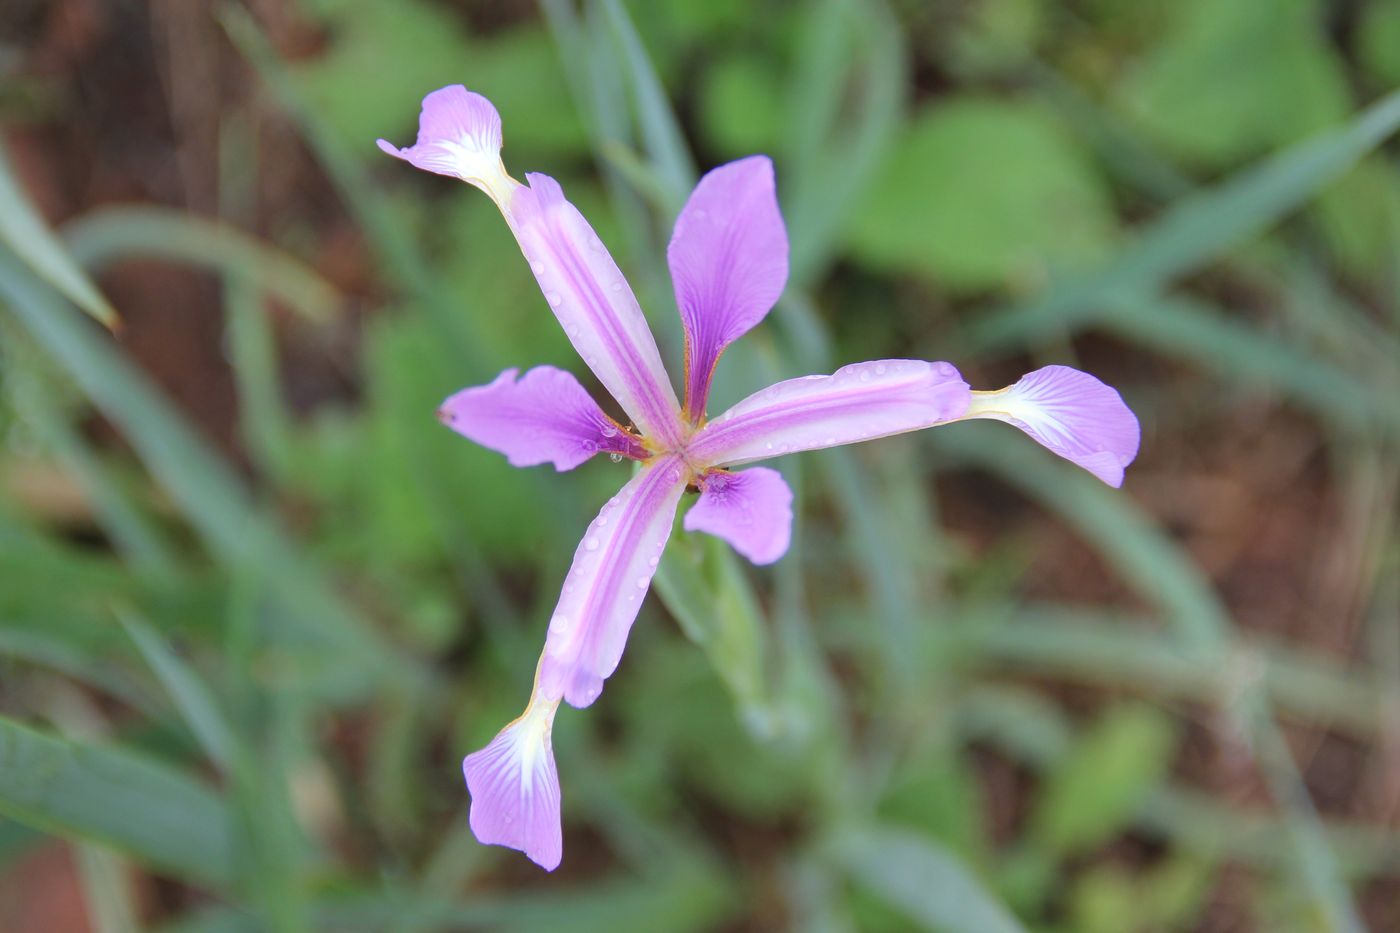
(595, 305)
(752, 510)
(1072, 414)
(515, 788)
(729, 262)
(544, 417)
(859, 402)
(459, 134)
(611, 573)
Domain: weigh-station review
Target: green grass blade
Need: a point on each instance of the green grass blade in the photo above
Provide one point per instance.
(138, 806)
(1197, 229)
(110, 235)
(25, 232)
(192, 698)
(923, 880)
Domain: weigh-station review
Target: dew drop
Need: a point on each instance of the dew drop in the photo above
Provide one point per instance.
(865, 375)
(617, 286)
(609, 430)
(537, 267)
(615, 457)
(574, 331)
(829, 441)
(603, 519)
(768, 446)
(653, 561)
(554, 298)
(558, 623)
(643, 582)
(590, 544)
(880, 369)
(701, 214)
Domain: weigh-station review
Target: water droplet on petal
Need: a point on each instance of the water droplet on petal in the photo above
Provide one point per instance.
(537, 267)
(829, 441)
(617, 286)
(865, 375)
(653, 561)
(643, 582)
(615, 457)
(558, 623)
(590, 544)
(554, 298)
(880, 369)
(609, 430)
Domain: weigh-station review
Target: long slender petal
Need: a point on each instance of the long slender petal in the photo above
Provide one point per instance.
(459, 134)
(596, 306)
(751, 509)
(859, 402)
(545, 417)
(729, 263)
(1071, 413)
(515, 788)
(611, 573)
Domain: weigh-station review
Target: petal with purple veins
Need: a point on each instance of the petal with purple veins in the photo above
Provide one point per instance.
(1072, 414)
(459, 134)
(751, 509)
(611, 574)
(514, 787)
(859, 402)
(729, 262)
(543, 417)
(596, 306)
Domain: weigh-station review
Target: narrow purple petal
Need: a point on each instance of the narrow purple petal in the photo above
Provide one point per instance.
(611, 573)
(859, 402)
(729, 263)
(545, 417)
(1071, 413)
(595, 305)
(752, 510)
(515, 788)
(459, 134)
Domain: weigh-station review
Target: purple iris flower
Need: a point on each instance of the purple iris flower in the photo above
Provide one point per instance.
(729, 262)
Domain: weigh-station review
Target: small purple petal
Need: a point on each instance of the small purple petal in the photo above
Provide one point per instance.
(544, 417)
(1072, 414)
(752, 510)
(515, 788)
(596, 306)
(459, 134)
(729, 263)
(859, 402)
(611, 573)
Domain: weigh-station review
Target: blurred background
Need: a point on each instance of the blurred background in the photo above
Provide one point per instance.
(256, 603)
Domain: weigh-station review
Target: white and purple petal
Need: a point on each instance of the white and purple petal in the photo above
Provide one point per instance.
(1072, 414)
(514, 787)
(596, 306)
(751, 509)
(459, 134)
(729, 262)
(543, 417)
(611, 573)
(859, 402)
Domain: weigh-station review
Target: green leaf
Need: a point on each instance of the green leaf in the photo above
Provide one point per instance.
(1232, 80)
(922, 880)
(138, 806)
(1196, 230)
(1378, 40)
(1095, 792)
(24, 231)
(984, 193)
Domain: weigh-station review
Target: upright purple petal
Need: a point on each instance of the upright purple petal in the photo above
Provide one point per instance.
(611, 573)
(751, 509)
(729, 263)
(515, 788)
(545, 417)
(1071, 413)
(859, 402)
(459, 134)
(596, 306)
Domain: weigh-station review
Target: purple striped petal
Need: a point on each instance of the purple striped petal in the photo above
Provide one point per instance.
(859, 402)
(596, 306)
(515, 788)
(611, 573)
(1071, 413)
(459, 134)
(729, 263)
(545, 417)
(752, 510)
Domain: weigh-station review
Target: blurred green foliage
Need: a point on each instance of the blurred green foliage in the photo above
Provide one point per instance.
(257, 678)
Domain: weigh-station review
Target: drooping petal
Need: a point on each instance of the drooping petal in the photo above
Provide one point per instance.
(515, 788)
(459, 134)
(1071, 413)
(545, 417)
(751, 509)
(611, 573)
(859, 402)
(595, 305)
(729, 263)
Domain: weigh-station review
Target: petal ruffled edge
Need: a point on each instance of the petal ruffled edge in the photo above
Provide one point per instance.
(751, 509)
(459, 134)
(1070, 413)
